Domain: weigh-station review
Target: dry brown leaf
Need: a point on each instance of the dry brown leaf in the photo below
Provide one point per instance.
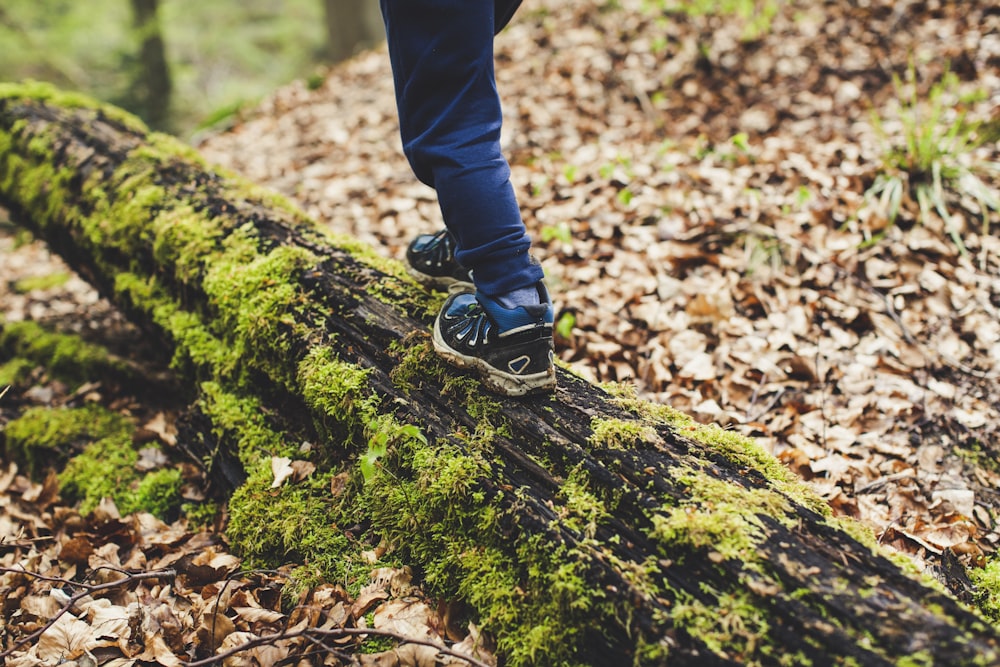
(67, 638)
(281, 468)
(408, 617)
(473, 645)
(214, 628)
(257, 615)
(165, 429)
(405, 655)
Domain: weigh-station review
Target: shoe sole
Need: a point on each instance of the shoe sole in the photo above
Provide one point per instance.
(441, 283)
(496, 380)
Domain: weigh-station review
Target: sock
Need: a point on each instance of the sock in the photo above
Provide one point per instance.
(524, 296)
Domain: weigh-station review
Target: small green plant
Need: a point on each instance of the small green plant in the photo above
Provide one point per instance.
(930, 159)
(558, 232)
(569, 173)
(757, 15)
(315, 81)
(386, 431)
(538, 187)
(741, 142)
(803, 195)
(564, 326)
(760, 251)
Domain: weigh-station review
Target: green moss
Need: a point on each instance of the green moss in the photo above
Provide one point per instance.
(50, 281)
(987, 593)
(45, 92)
(740, 450)
(734, 626)
(375, 643)
(975, 453)
(862, 533)
(95, 445)
(15, 371)
(244, 421)
(46, 437)
(158, 492)
(620, 433)
(582, 510)
(66, 357)
(719, 517)
(197, 350)
(918, 659)
(532, 592)
(104, 469)
(200, 515)
(296, 523)
(257, 297)
(337, 392)
(415, 361)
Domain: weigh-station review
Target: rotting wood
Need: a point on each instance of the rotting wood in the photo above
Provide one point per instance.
(585, 528)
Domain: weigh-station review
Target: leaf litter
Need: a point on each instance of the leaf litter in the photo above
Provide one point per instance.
(697, 201)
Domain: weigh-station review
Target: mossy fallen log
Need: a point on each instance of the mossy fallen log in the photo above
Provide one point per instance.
(585, 528)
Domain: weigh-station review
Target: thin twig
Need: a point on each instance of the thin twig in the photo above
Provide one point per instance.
(88, 589)
(313, 633)
(770, 404)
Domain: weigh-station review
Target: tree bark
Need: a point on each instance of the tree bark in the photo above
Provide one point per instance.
(351, 25)
(588, 527)
(152, 84)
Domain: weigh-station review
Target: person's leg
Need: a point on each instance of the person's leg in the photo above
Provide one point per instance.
(449, 115)
(503, 12)
(449, 110)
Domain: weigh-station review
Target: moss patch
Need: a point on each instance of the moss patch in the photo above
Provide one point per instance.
(96, 447)
(46, 437)
(300, 523)
(987, 595)
(620, 433)
(534, 595)
(45, 92)
(15, 371)
(740, 450)
(66, 357)
(50, 281)
(720, 518)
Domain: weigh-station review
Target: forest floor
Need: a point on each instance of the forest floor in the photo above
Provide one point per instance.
(695, 186)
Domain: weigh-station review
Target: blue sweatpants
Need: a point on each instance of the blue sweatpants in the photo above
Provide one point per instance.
(449, 118)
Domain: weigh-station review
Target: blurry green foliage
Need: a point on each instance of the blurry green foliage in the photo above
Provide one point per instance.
(756, 15)
(221, 55)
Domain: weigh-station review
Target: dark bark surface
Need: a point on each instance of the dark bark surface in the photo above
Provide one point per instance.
(701, 551)
(152, 84)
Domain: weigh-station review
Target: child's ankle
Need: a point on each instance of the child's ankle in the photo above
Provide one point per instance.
(524, 296)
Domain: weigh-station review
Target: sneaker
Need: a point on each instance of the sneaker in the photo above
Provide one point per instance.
(510, 348)
(430, 259)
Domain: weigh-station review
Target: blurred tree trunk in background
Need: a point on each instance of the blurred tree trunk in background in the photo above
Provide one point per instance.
(351, 25)
(151, 86)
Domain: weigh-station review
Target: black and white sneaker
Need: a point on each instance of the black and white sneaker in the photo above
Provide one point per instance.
(510, 348)
(430, 259)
